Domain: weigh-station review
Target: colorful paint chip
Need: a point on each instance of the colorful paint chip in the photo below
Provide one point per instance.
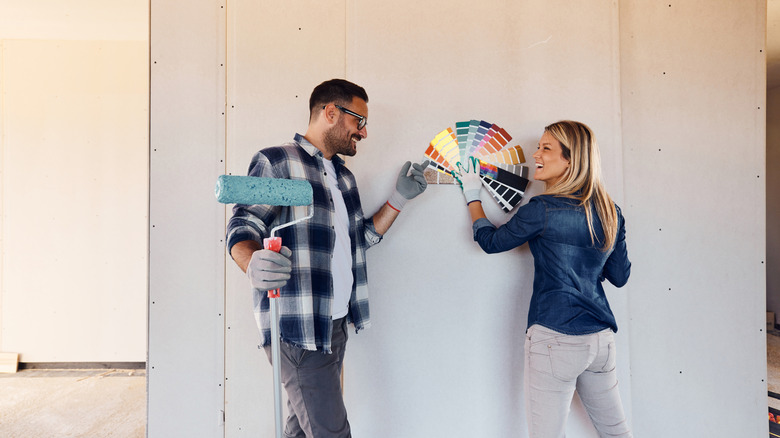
(502, 175)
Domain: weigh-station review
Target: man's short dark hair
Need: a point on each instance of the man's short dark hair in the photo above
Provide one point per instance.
(337, 91)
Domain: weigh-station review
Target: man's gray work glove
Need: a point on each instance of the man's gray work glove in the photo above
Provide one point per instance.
(409, 184)
(269, 270)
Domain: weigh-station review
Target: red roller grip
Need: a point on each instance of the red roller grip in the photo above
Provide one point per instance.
(274, 244)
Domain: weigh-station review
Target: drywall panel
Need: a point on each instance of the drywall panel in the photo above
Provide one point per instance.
(693, 94)
(445, 354)
(393, 380)
(278, 51)
(773, 198)
(186, 267)
(74, 200)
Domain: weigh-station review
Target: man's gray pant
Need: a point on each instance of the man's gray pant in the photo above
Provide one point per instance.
(313, 384)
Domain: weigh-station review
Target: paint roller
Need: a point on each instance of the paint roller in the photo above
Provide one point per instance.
(252, 190)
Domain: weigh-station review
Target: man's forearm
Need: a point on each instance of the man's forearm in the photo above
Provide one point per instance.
(242, 252)
(384, 218)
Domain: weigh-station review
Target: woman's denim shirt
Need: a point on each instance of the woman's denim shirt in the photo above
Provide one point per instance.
(568, 268)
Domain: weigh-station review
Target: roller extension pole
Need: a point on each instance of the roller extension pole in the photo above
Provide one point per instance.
(250, 190)
(275, 244)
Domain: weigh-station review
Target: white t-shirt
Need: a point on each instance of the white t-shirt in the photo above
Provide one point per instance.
(341, 261)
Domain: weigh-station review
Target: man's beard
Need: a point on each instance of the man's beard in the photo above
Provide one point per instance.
(339, 142)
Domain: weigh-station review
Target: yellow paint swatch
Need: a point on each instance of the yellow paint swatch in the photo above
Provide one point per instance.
(513, 155)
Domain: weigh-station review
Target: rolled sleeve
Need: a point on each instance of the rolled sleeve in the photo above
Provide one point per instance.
(372, 236)
(241, 229)
(480, 223)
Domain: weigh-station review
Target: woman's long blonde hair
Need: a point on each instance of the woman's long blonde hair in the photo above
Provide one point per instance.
(582, 180)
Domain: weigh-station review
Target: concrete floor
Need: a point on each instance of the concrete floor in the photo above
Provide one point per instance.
(112, 403)
(73, 403)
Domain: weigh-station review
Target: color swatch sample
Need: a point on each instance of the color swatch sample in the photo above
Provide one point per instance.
(499, 163)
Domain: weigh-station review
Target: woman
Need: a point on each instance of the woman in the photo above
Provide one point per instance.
(576, 234)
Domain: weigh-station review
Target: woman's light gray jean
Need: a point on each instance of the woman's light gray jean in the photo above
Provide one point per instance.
(556, 365)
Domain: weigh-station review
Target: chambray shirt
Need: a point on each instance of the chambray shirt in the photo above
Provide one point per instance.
(568, 269)
(305, 302)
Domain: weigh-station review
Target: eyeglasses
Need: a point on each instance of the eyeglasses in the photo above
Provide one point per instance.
(361, 119)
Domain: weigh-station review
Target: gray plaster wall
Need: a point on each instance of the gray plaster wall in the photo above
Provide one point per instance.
(679, 113)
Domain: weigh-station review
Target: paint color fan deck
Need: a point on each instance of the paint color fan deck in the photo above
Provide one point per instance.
(500, 164)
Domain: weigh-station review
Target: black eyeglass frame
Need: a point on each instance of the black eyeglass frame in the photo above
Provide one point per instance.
(362, 120)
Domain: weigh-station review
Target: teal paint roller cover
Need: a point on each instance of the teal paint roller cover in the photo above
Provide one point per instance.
(251, 190)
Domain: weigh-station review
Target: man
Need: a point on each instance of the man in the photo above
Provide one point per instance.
(321, 270)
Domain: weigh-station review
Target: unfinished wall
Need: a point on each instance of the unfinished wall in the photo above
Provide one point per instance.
(693, 145)
(773, 158)
(187, 255)
(773, 200)
(268, 101)
(74, 199)
(442, 311)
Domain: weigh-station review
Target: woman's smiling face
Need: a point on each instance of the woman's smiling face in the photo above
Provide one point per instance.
(550, 164)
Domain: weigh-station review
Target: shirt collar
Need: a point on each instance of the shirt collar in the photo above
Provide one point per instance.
(313, 151)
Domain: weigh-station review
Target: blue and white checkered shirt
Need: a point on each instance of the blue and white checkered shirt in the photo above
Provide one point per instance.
(305, 302)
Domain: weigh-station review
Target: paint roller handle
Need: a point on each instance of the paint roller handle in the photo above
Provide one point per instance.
(273, 244)
(270, 268)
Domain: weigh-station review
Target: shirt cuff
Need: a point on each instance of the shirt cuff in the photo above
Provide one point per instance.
(239, 235)
(480, 223)
(372, 236)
